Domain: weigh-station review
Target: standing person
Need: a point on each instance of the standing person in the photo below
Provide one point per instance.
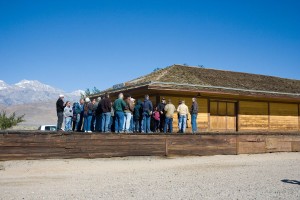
(161, 110)
(98, 115)
(137, 116)
(111, 127)
(79, 109)
(78, 115)
(183, 111)
(169, 111)
(68, 114)
(178, 115)
(60, 112)
(156, 117)
(75, 104)
(194, 113)
(131, 121)
(147, 112)
(119, 107)
(93, 121)
(106, 113)
(128, 114)
(88, 112)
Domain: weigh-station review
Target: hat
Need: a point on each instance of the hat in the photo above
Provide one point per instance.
(61, 95)
(87, 99)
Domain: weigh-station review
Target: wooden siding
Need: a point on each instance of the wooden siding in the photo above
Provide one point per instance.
(253, 116)
(284, 117)
(78, 145)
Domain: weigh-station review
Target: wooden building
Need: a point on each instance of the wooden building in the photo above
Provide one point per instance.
(228, 101)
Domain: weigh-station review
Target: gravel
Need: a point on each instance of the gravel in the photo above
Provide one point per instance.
(261, 176)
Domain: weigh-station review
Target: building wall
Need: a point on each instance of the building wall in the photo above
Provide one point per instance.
(253, 116)
(268, 116)
(284, 116)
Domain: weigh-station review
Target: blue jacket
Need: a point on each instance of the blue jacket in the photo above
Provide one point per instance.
(147, 106)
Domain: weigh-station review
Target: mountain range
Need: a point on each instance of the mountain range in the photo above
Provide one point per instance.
(31, 91)
(34, 99)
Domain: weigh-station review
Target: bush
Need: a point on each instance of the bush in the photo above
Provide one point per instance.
(9, 121)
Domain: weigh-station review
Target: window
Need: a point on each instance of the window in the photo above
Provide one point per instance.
(222, 108)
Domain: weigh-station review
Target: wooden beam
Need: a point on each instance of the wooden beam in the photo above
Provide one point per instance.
(269, 117)
(237, 111)
(299, 117)
(208, 114)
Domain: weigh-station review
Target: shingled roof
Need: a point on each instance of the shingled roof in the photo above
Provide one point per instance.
(186, 77)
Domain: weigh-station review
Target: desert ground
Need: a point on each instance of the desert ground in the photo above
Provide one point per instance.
(261, 176)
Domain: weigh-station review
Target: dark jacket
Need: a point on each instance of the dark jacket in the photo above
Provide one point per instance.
(88, 109)
(60, 105)
(194, 108)
(147, 106)
(105, 105)
(161, 107)
(138, 110)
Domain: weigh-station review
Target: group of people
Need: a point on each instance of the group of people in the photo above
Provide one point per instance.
(124, 115)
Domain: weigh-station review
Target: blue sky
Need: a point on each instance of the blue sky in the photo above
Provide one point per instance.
(80, 44)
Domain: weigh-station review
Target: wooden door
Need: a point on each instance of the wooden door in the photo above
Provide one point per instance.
(222, 116)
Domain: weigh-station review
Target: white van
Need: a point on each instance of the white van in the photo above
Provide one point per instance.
(47, 128)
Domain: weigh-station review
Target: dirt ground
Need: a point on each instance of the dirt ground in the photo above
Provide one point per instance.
(262, 176)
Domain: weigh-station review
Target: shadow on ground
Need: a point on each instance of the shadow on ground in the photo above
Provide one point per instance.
(294, 182)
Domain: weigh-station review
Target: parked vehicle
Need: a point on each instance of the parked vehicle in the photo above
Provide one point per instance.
(47, 128)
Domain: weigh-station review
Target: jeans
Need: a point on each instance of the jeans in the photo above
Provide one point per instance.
(168, 125)
(79, 121)
(127, 120)
(194, 122)
(110, 125)
(60, 119)
(93, 123)
(136, 125)
(87, 122)
(182, 123)
(146, 122)
(105, 118)
(68, 123)
(131, 124)
(98, 123)
(119, 121)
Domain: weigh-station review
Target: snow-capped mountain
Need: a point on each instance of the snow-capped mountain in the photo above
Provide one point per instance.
(3, 85)
(31, 91)
(36, 86)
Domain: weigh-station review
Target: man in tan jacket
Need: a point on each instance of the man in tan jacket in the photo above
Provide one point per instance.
(169, 111)
(183, 111)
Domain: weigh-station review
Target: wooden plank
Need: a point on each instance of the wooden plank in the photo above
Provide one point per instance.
(276, 144)
(202, 145)
(298, 117)
(251, 147)
(253, 115)
(295, 146)
(34, 146)
(284, 116)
